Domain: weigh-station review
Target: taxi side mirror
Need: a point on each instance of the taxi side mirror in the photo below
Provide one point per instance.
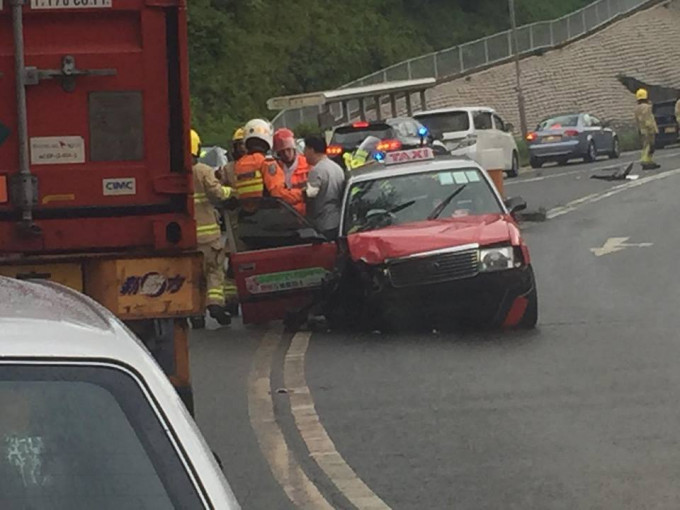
(515, 204)
(311, 235)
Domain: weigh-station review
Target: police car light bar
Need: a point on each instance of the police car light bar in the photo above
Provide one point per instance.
(422, 154)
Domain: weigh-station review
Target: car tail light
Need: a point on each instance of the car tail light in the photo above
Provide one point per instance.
(361, 124)
(3, 189)
(389, 145)
(531, 137)
(334, 150)
(571, 132)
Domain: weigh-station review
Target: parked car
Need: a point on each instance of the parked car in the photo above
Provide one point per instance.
(422, 241)
(471, 131)
(396, 133)
(89, 419)
(571, 136)
(664, 112)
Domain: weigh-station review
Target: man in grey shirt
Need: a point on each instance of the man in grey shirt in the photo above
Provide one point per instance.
(325, 187)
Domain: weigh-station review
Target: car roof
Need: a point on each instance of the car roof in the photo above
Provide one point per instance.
(68, 314)
(388, 121)
(373, 171)
(41, 321)
(455, 109)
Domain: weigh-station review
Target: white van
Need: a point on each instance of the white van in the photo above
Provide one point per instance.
(469, 131)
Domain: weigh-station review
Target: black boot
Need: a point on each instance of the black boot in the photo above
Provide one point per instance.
(218, 313)
(197, 322)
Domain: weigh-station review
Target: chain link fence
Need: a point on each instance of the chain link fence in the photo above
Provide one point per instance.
(484, 52)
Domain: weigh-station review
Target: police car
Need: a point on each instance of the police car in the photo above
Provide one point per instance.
(422, 241)
(89, 420)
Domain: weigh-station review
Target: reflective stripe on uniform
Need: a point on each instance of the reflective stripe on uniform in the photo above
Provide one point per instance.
(208, 230)
(200, 198)
(216, 293)
(227, 191)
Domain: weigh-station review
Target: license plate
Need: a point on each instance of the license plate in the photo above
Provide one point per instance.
(70, 4)
(70, 275)
(552, 139)
(671, 129)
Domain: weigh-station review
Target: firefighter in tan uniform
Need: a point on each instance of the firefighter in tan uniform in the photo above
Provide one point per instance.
(646, 124)
(227, 175)
(677, 112)
(209, 192)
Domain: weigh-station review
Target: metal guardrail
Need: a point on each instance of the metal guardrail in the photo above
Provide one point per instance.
(494, 49)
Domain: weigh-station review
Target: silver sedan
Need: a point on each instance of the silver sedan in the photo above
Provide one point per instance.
(572, 136)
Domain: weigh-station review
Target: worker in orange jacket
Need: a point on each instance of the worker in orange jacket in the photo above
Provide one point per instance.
(294, 165)
(257, 173)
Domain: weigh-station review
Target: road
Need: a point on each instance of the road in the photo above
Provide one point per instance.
(581, 413)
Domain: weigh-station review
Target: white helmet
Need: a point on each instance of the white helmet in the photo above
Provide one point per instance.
(258, 128)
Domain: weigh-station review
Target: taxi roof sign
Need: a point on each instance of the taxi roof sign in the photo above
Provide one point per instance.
(409, 156)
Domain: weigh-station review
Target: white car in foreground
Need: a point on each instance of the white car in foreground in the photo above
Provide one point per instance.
(89, 420)
(471, 132)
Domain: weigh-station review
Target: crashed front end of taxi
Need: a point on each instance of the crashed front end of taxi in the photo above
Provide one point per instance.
(467, 285)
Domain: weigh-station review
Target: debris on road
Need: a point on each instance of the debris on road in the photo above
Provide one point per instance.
(619, 175)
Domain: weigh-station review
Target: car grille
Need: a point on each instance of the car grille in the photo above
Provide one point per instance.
(438, 268)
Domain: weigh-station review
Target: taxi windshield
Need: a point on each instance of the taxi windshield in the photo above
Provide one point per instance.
(390, 201)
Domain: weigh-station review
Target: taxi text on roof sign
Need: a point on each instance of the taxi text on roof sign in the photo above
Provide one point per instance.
(69, 4)
(422, 154)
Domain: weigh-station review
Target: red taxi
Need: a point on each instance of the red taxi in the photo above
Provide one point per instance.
(422, 242)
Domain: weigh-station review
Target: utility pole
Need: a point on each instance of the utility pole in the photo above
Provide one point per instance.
(518, 70)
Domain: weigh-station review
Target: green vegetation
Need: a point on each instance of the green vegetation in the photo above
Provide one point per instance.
(245, 51)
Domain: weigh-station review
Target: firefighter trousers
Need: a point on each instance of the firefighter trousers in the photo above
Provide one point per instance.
(213, 271)
(648, 147)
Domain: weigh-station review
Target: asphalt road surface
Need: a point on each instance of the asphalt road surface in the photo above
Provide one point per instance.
(582, 413)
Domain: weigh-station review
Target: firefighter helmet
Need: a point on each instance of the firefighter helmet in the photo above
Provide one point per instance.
(642, 95)
(260, 129)
(195, 144)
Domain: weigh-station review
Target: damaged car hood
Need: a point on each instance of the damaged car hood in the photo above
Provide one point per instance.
(377, 246)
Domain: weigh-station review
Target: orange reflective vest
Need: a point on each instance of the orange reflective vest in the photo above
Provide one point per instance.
(248, 171)
(298, 182)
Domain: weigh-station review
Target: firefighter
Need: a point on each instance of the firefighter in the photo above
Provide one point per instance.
(208, 192)
(294, 165)
(646, 123)
(228, 177)
(258, 173)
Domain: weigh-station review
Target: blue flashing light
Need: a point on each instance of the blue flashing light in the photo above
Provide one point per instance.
(379, 156)
(423, 131)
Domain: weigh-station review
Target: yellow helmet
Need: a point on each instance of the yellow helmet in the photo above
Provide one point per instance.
(642, 95)
(239, 134)
(195, 144)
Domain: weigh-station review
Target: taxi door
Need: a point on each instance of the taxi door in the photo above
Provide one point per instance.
(280, 262)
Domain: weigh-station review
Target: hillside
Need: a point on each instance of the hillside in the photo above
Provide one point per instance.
(245, 51)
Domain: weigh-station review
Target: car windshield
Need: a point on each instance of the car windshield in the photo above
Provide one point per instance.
(441, 123)
(404, 199)
(560, 122)
(352, 137)
(84, 437)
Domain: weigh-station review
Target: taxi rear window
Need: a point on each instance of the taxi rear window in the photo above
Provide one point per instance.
(83, 437)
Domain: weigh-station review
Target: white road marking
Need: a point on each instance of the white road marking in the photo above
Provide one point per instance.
(285, 468)
(614, 244)
(596, 197)
(320, 445)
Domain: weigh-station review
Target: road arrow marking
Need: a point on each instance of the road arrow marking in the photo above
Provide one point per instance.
(615, 244)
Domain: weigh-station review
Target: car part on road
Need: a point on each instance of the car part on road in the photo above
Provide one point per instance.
(619, 175)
